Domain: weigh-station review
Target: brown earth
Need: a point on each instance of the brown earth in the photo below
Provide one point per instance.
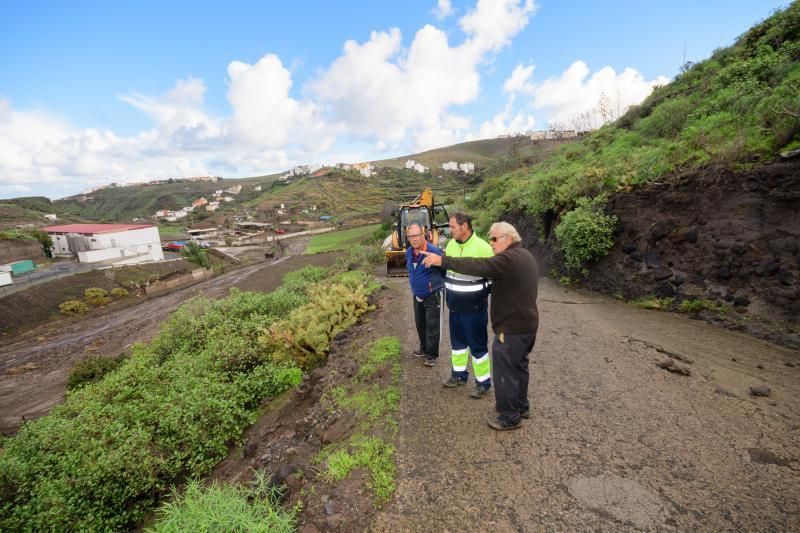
(615, 442)
(732, 238)
(34, 366)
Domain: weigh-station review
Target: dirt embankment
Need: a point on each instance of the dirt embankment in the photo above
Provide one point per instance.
(729, 237)
(19, 249)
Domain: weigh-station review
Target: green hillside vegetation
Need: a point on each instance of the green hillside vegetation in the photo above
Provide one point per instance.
(340, 240)
(29, 210)
(738, 109)
(124, 203)
(348, 195)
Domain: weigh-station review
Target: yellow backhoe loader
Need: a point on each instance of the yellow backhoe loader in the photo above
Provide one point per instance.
(430, 216)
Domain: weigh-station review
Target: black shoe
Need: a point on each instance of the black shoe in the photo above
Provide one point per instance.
(526, 414)
(430, 361)
(498, 424)
(479, 392)
(453, 383)
(418, 353)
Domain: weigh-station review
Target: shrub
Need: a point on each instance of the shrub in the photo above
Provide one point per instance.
(73, 307)
(226, 508)
(696, 306)
(96, 296)
(586, 234)
(194, 254)
(304, 336)
(119, 292)
(91, 370)
(656, 304)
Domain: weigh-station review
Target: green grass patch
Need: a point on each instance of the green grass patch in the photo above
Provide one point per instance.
(226, 508)
(339, 240)
(696, 306)
(371, 453)
(655, 304)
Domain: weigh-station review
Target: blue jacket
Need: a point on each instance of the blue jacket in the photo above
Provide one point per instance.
(423, 280)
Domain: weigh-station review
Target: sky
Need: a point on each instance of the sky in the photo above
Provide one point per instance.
(94, 92)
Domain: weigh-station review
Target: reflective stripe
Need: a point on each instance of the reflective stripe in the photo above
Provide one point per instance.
(464, 288)
(482, 367)
(462, 277)
(460, 360)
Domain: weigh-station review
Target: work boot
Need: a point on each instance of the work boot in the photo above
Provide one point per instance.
(418, 353)
(526, 414)
(453, 382)
(479, 392)
(498, 424)
(430, 361)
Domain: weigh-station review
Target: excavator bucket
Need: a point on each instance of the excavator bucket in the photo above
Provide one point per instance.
(396, 264)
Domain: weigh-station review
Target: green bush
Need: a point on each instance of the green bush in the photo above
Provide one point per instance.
(226, 508)
(73, 307)
(194, 254)
(586, 234)
(91, 370)
(96, 296)
(119, 292)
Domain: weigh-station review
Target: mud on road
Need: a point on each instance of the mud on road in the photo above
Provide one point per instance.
(34, 367)
(614, 443)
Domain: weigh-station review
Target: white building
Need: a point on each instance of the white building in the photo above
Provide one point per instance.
(93, 243)
(419, 167)
(236, 189)
(50, 216)
(467, 168)
(450, 165)
(410, 164)
(257, 188)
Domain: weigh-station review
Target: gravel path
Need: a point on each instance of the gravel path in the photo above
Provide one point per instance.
(614, 443)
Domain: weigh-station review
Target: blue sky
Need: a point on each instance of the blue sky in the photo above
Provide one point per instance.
(95, 92)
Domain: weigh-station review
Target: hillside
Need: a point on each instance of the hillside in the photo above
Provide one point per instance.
(483, 153)
(689, 197)
(124, 203)
(30, 210)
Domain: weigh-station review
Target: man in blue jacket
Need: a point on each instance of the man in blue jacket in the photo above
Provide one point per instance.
(426, 288)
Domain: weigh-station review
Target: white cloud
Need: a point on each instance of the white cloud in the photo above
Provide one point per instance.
(377, 93)
(577, 91)
(493, 23)
(443, 9)
(382, 91)
(507, 122)
(519, 82)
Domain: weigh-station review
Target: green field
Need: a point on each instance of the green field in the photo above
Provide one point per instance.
(339, 240)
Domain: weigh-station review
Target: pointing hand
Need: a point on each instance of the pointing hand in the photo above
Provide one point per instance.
(431, 259)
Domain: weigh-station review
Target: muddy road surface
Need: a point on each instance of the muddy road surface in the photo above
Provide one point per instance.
(614, 442)
(35, 366)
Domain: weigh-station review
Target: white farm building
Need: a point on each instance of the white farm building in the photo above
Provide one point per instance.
(109, 243)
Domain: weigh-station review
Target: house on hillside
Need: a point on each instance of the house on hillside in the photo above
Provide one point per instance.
(203, 233)
(199, 202)
(107, 243)
(450, 165)
(51, 216)
(467, 168)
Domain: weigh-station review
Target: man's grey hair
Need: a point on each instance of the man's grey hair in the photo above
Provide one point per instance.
(504, 228)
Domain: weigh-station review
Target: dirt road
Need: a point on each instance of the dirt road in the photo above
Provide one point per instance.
(614, 442)
(34, 368)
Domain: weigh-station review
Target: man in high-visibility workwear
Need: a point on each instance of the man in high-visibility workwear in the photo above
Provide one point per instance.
(468, 301)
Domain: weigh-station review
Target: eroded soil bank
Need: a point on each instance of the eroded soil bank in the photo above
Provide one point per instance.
(732, 238)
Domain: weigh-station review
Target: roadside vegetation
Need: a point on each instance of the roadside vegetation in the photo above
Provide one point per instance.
(103, 459)
(340, 240)
(737, 109)
(374, 406)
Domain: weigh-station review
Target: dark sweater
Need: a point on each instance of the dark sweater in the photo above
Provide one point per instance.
(515, 283)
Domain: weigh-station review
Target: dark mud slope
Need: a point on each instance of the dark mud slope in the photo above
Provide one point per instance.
(713, 234)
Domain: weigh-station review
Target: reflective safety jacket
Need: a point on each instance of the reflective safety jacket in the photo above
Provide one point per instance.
(464, 293)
